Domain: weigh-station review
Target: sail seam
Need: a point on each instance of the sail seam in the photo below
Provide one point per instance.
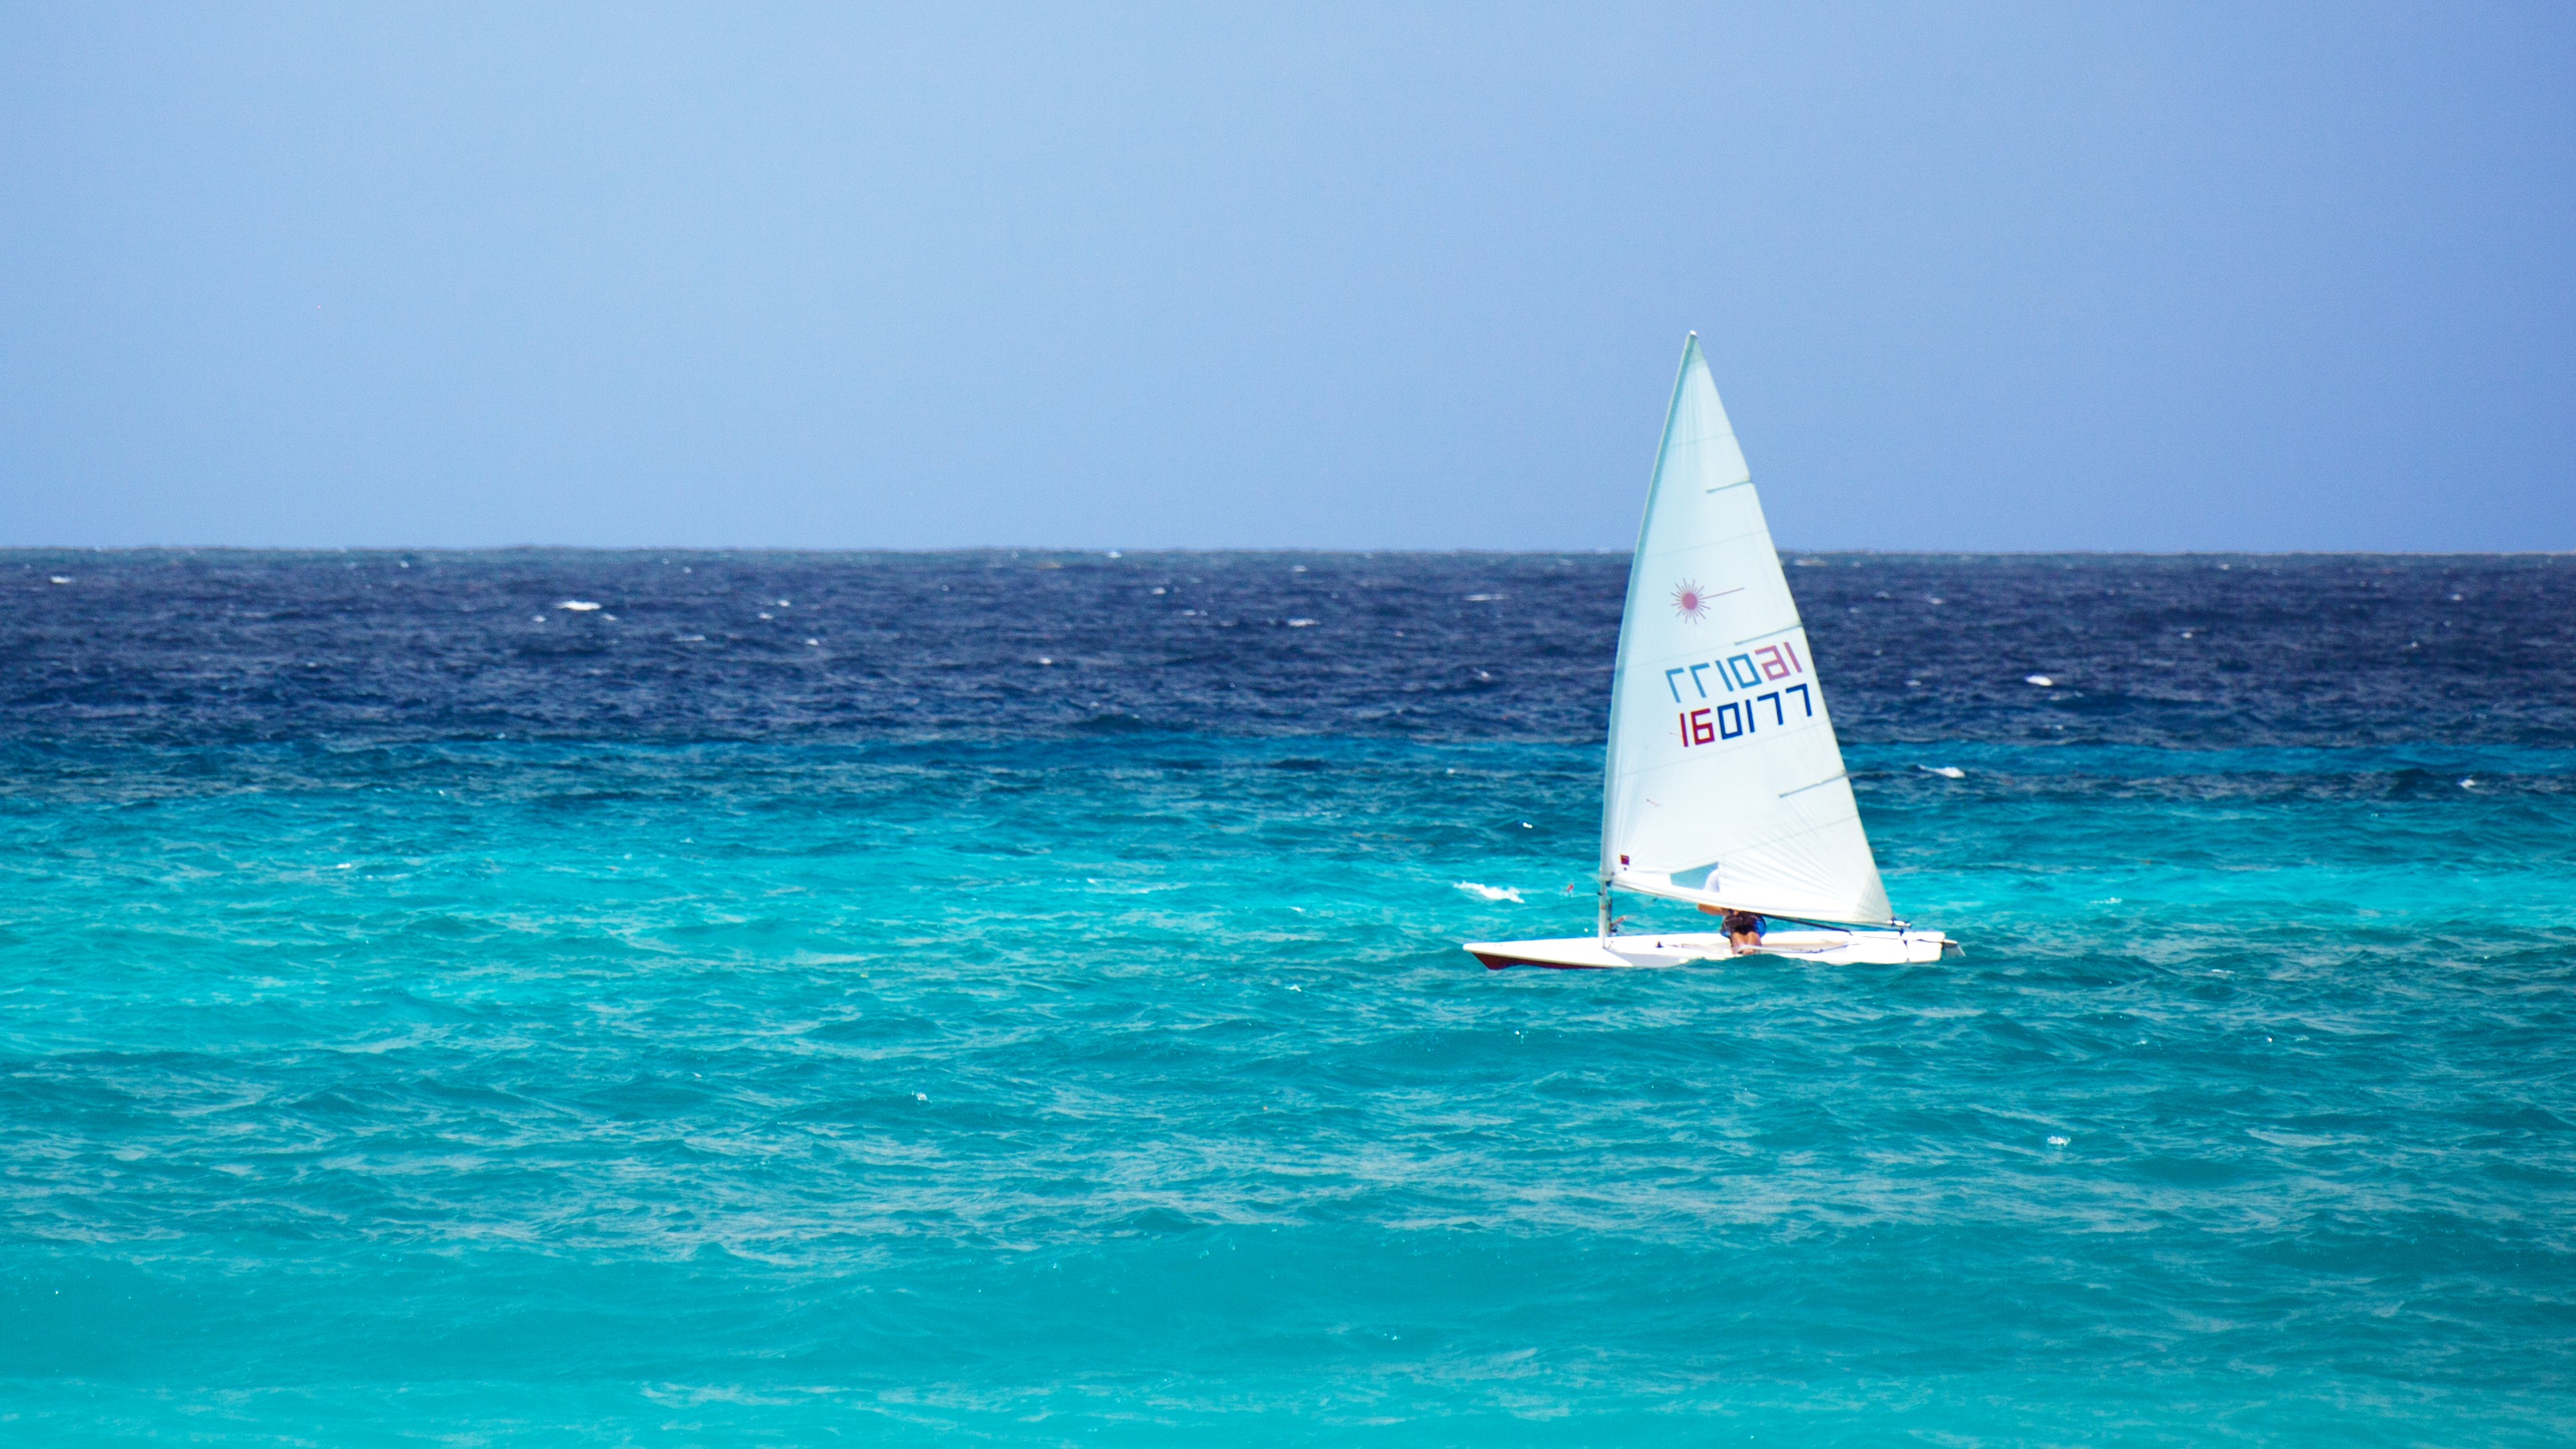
(1749, 638)
(1820, 784)
(1718, 542)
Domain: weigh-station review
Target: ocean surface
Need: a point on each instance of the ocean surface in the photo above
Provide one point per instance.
(1014, 998)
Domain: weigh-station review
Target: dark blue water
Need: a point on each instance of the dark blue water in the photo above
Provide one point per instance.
(1016, 998)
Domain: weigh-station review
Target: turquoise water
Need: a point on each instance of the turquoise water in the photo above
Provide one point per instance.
(452, 1034)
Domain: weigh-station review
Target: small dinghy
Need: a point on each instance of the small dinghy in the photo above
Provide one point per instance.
(1724, 786)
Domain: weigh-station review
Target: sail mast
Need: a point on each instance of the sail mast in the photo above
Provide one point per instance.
(1609, 865)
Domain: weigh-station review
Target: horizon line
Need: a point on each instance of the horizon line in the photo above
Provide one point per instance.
(6, 550)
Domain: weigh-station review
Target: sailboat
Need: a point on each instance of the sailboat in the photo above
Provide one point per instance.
(1724, 785)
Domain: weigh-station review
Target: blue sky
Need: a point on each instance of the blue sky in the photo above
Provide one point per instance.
(1970, 278)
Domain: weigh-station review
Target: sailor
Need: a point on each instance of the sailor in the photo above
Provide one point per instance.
(1743, 930)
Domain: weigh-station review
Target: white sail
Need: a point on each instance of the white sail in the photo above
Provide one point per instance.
(1724, 784)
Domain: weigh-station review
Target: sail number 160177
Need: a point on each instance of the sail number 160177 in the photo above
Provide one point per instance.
(1742, 675)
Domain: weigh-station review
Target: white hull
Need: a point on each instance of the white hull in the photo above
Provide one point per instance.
(1827, 946)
